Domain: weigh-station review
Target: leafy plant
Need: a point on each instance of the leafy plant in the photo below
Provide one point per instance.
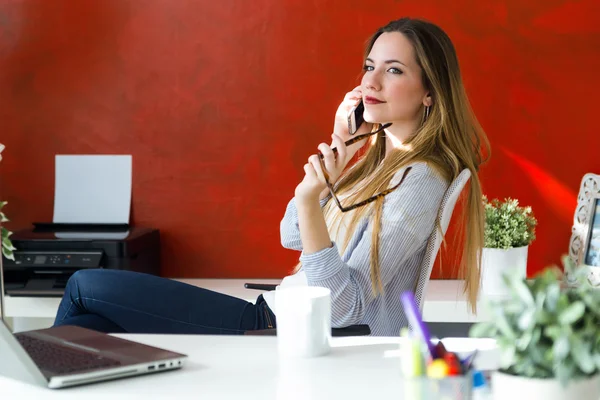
(507, 224)
(7, 247)
(545, 329)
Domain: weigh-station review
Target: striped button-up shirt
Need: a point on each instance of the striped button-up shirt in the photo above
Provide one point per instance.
(408, 218)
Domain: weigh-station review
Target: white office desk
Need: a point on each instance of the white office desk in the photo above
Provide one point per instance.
(444, 302)
(248, 367)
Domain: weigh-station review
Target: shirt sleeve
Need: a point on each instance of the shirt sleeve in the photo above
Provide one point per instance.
(288, 228)
(408, 218)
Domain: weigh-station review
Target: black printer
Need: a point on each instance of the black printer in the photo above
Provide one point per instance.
(49, 254)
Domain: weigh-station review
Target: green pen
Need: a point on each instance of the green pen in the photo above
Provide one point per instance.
(413, 364)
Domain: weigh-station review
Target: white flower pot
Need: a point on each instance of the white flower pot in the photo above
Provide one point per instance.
(495, 263)
(512, 387)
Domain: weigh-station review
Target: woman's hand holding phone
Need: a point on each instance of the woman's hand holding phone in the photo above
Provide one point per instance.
(313, 185)
(340, 126)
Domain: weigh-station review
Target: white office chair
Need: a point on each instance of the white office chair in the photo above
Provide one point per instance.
(435, 239)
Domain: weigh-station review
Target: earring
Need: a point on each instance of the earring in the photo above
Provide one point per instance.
(426, 112)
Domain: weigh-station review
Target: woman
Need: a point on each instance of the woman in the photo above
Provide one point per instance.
(369, 247)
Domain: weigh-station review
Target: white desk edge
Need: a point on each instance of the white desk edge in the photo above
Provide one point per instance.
(444, 300)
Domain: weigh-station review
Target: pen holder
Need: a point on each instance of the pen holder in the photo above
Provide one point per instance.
(450, 388)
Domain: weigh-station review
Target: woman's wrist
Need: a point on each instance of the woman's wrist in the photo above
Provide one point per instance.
(311, 223)
(324, 194)
(308, 202)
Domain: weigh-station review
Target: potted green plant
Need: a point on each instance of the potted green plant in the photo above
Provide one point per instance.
(548, 337)
(7, 247)
(509, 230)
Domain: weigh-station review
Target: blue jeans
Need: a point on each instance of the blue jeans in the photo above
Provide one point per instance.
(114, 301)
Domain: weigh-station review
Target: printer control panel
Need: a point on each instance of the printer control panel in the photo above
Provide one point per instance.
(51, 259)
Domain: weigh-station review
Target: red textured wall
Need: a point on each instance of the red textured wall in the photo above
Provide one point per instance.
(221, 102)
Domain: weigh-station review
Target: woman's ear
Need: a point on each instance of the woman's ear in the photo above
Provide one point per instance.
(427, 101)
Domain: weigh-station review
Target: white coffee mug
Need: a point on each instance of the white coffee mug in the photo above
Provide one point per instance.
(303, 321)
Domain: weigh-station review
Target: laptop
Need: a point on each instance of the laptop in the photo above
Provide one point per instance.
(68, 355)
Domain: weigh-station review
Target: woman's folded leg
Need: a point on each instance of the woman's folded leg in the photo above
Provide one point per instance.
(125, 301)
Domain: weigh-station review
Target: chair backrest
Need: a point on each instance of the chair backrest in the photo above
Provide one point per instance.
(435, 239)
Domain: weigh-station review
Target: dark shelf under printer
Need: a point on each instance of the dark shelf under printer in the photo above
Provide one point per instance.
(48, 254)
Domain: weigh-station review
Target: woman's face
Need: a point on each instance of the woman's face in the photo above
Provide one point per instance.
(392, 87)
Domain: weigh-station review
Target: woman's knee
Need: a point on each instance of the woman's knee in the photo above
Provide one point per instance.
(82, 280)
(98, 280)
(79, 277)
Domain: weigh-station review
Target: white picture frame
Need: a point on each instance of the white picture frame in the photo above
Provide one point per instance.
(584, 246)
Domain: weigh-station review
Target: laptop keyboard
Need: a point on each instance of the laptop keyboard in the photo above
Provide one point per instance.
(60, 360)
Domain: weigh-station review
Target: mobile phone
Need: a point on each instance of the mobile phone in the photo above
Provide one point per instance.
(355, 117)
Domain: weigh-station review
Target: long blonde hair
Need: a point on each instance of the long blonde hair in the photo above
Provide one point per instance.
(450, 139)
